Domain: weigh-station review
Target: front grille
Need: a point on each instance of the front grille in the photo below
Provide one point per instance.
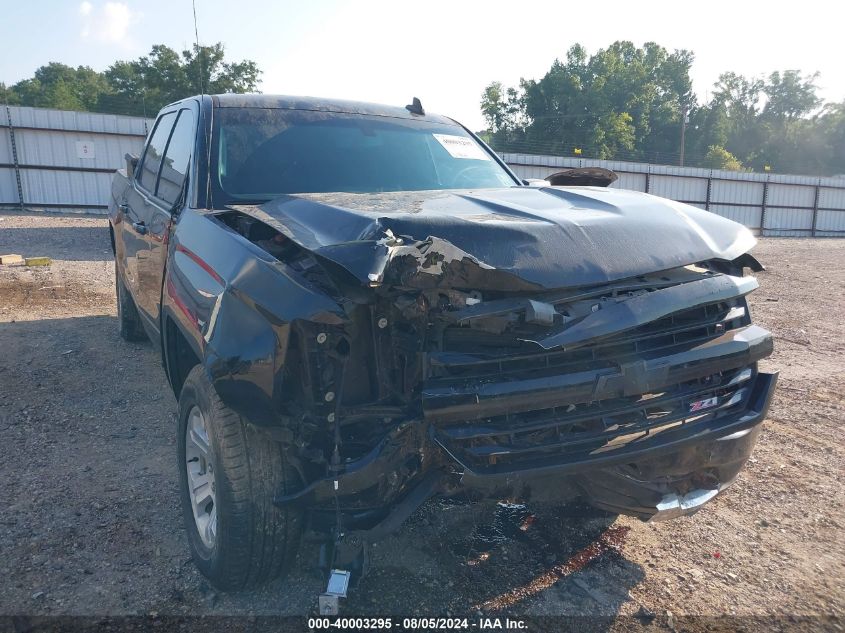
(524, 432)
(577, 432)
(472, 353)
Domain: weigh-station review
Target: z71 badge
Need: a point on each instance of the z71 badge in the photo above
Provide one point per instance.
(707, 403)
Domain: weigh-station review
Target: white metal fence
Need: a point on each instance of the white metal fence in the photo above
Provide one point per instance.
(63, 161)
(58, 160)
(769, 204)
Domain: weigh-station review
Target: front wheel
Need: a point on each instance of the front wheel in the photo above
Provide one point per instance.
(229, 471)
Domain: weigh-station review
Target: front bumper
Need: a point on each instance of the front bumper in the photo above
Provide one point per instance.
(671, 474)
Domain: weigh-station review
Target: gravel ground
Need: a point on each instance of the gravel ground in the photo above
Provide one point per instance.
(90, 522)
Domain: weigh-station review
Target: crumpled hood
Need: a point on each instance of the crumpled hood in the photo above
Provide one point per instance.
(547, 237)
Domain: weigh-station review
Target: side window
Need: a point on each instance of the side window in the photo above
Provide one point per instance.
(177, 158)
(155, 150)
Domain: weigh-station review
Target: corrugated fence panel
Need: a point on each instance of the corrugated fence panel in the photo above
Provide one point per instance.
(8, 184)
(791, 201)
(8, 187)
(531, 171)
(5, 145)
(42, 187)
(788, 221)
(674, 170)
(627, 180)
(831, 198)
(679, 188)
(736, 192)
(749, 216)
(830, 223)
(78, 121)
(66, 160)
(74, 149)
(791, 195)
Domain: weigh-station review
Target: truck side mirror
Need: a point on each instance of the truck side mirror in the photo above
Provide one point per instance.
(131, 164)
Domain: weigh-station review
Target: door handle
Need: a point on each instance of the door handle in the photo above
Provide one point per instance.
(124, 208)
(140, 227)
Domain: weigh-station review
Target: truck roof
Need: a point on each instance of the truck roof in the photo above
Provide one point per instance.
(287, 102)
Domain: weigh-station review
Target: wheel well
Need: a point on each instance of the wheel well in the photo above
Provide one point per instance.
(181, 358)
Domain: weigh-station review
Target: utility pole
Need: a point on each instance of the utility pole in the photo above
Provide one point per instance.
(684, 121)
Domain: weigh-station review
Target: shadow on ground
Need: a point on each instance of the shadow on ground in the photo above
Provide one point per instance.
(73, 243)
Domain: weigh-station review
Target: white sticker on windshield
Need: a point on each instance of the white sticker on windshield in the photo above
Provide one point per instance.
(461, 147)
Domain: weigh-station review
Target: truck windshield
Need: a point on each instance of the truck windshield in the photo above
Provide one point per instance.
(263, 153)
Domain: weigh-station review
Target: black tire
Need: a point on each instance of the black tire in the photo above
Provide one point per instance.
(129, 321)
(256, 541)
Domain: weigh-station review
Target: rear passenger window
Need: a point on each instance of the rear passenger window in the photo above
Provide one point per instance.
(155, 150)
(177, 158)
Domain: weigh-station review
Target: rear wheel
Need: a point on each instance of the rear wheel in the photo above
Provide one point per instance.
(229, 472)
(129, 321)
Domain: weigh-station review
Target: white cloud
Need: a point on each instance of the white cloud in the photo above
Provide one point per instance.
(109, 23)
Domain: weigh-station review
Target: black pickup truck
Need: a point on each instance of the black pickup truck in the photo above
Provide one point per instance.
(360, 306)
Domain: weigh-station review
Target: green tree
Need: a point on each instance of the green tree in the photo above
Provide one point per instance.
(150, 82)
(623, 101)
(719, 158)
(813, 145)
(60, 86)
(503, 111)
(628, 103)
(494, 107)
(614, 134)
(218, 75)
(790, 95)
(7, 96)
(141, 86)
(765, 121)
(831, 126)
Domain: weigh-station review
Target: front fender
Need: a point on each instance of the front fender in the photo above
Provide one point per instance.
(236, 306)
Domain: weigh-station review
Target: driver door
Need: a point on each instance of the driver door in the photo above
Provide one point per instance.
(156, 192)
(135, 211)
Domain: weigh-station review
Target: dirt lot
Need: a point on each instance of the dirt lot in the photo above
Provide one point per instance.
(90, 522)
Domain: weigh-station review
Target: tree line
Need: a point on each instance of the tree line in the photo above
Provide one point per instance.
(636, 103)
(139, 87)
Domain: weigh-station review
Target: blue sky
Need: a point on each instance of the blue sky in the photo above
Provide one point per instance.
(443, 52)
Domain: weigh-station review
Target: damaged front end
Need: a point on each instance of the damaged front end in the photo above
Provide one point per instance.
(635, 388)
